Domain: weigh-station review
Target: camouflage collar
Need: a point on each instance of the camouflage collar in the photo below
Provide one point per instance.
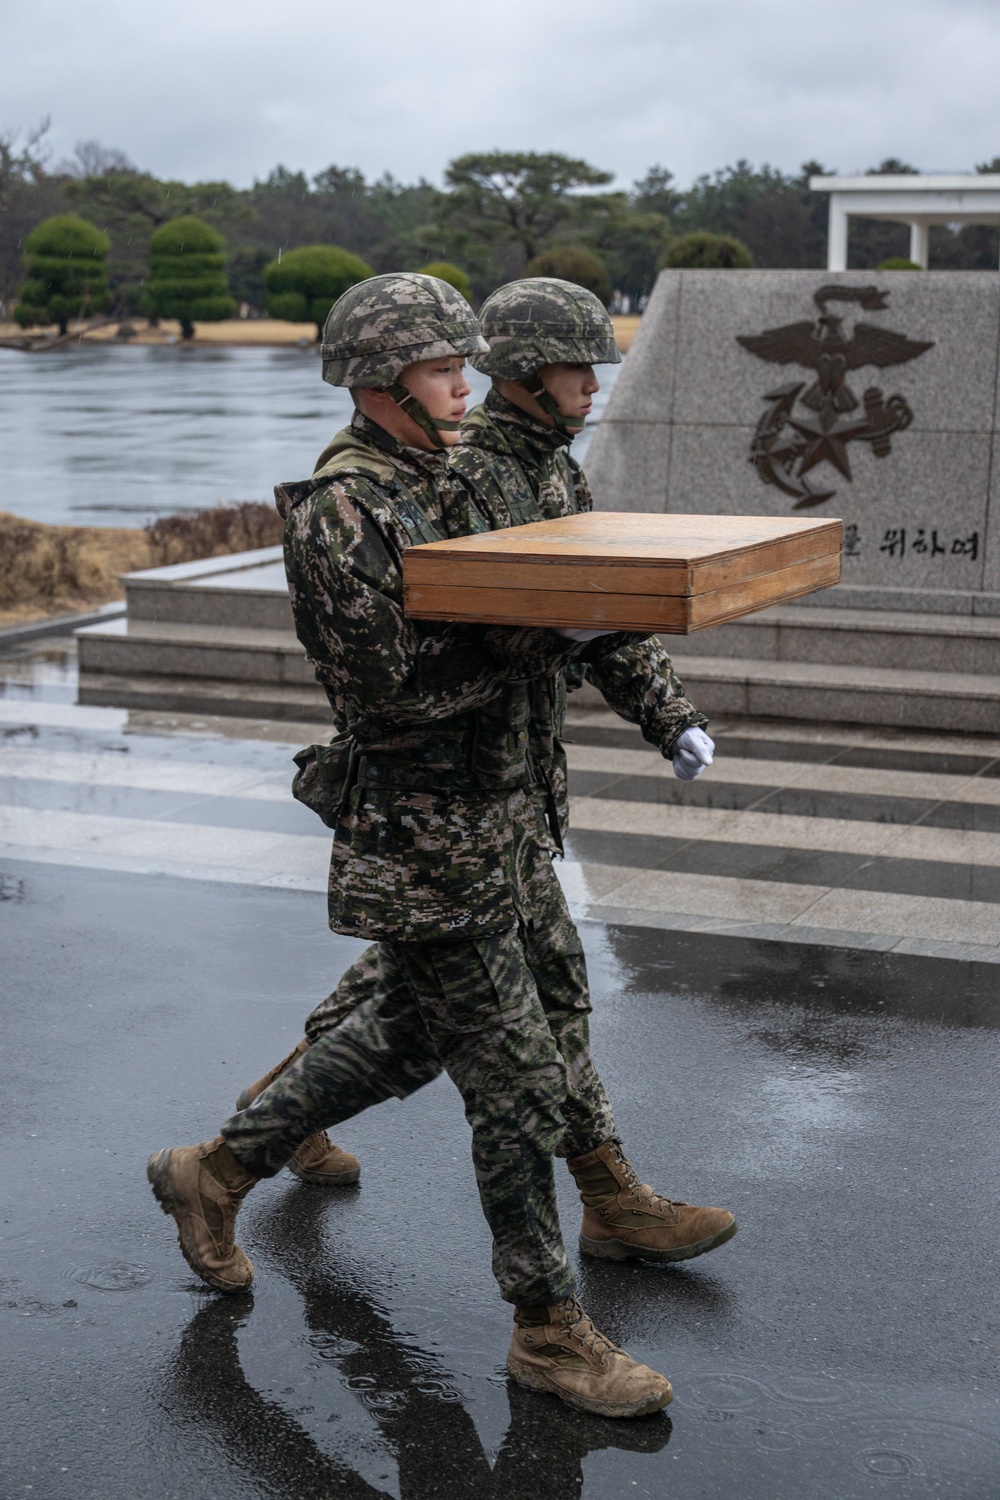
(369, 432)
(527, 437)
(366, 448)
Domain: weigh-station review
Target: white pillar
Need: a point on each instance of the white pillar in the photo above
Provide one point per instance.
(920, 243)
(836, 244)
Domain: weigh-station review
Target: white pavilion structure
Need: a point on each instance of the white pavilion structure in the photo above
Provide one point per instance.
(919, 201)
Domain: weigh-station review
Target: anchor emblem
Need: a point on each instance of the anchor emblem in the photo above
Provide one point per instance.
(787, 447)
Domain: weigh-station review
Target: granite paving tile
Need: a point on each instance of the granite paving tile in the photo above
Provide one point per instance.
(964, 815)
(783, 830)
(922, 917)
(713, 896)
(160, 774)
(800, 802)
(915, 877)
(827, 777)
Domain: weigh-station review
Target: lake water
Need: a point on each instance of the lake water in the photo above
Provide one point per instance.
(114, 436)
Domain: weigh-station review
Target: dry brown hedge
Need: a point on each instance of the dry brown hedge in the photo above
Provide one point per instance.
(50, 570)
(240, 527)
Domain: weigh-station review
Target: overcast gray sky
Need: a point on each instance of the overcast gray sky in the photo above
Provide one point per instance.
(202, 89)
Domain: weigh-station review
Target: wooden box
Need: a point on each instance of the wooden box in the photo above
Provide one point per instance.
(622, 570)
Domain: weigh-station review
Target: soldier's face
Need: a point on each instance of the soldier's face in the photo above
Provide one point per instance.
(441, 387)
(572, 387)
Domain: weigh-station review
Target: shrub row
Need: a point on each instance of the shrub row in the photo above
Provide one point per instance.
(65, 261)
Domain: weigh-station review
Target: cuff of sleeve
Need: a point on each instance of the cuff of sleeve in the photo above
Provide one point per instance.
(694, 720)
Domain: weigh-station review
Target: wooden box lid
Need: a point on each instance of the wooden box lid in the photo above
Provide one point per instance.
(625, 570)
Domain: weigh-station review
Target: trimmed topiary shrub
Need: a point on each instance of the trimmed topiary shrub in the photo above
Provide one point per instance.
(713, 251)
(573, 263)
(898, 263)
(66, 262)
(187, 275)
(303, 284)
(453, 275)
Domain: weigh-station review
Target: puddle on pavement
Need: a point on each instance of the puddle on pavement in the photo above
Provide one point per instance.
(318, 1384)
(40, 671)
(805, 986)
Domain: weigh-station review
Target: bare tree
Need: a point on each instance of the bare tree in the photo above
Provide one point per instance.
(21, 161)
(27, 195)
(91, 159)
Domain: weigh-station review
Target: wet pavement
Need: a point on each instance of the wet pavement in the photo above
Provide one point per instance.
(39, 670)
(842, 1100)
(843, 1103)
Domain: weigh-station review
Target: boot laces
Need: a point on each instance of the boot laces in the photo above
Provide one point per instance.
(645, 1194)
(582, 1330)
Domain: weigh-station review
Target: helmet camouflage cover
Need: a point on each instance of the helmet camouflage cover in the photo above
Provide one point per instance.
(539, 321)
(381, 325)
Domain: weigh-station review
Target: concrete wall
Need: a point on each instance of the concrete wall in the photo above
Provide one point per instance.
(922, 522)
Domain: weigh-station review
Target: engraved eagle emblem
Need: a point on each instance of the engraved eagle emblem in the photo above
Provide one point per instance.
(785, 447)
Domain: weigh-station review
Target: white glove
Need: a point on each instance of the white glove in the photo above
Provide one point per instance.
(573, 634)
(693, 751)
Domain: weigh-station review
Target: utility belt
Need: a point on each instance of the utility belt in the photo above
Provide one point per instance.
(327, 775)
(495, 749)
(380, 773)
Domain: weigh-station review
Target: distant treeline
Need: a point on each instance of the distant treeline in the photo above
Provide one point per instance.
(495, 212)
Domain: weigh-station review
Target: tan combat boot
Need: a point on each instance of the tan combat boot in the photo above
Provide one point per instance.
(558, 1349)
(205, 1212)
(623, 1219)
(317, 1159)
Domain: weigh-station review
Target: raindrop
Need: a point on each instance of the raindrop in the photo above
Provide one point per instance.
(890, 1464)
(117, 1276)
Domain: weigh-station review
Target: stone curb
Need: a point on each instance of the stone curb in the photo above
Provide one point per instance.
(13, 635)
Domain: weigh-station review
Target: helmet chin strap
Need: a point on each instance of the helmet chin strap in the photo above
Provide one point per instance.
(568, 426)
(417, 412)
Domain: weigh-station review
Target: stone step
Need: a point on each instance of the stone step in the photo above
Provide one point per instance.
(203, 695)
(862, 638)
(245, 589)
(144, 648)
(733, 687)
(216, 637)
(888, 696)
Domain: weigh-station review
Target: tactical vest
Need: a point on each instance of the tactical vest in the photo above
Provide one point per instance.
(486, 749)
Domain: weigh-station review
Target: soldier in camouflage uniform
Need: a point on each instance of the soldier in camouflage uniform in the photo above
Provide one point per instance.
(515, 458)
(429, 793)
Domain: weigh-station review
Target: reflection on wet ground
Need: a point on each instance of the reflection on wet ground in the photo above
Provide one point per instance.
(405, 1410)
(112, 436)
(823, 995)
(43, 670)
(842, 1346)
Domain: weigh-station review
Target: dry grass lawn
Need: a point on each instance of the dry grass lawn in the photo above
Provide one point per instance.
(58, 570)
(235, 331)
(239, 331)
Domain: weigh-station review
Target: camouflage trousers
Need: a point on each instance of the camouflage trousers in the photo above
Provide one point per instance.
(506, 1014)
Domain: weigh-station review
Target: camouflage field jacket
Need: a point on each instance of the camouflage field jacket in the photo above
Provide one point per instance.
(521, 470)
(433, 718)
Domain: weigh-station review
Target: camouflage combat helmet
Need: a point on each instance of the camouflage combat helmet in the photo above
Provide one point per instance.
(381, 325)
(540, 321)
